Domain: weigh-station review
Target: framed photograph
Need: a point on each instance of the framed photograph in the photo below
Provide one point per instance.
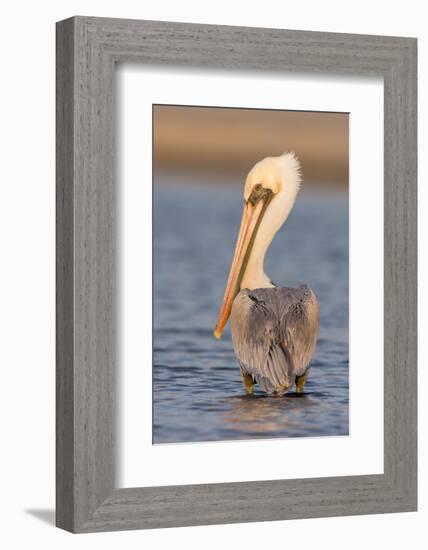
(236, 274)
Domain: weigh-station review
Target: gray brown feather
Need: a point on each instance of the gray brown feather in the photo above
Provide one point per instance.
(274, 333)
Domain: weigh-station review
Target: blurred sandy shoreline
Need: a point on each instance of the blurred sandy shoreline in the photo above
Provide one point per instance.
(224, 143)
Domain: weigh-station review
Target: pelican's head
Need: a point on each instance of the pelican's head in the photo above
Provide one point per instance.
(269, 194)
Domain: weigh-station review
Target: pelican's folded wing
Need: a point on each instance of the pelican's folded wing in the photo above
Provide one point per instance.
(298, 329)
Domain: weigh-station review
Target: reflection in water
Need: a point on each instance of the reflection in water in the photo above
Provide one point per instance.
(263, 416)
(197, 389)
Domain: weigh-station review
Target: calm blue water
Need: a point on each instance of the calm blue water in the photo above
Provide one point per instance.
(197, 390)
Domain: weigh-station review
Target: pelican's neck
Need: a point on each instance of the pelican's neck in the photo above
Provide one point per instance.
(276, 214)
(254, 276)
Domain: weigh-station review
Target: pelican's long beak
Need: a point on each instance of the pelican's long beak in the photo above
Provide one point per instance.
(254, 208)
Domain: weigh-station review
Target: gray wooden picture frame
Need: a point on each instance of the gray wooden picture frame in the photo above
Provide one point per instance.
(87, 51)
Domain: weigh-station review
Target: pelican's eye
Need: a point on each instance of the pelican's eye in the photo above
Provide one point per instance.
(259, 193)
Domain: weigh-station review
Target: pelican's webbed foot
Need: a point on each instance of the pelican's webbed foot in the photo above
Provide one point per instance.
(248, 382)
(301, 381)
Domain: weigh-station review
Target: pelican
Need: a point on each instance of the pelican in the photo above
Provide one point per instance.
(274, 330)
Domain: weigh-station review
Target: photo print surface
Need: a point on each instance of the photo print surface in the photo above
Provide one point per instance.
(250, 274)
